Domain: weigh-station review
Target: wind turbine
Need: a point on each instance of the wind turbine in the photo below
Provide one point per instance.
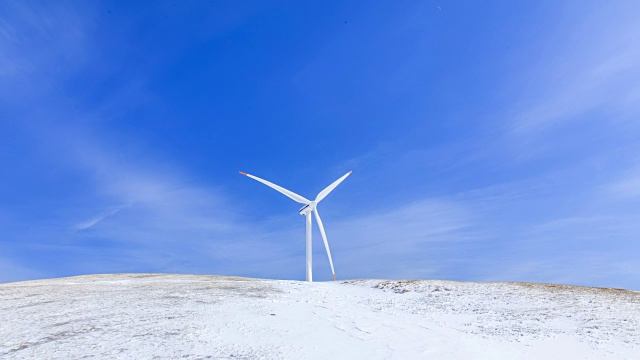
(306, 210)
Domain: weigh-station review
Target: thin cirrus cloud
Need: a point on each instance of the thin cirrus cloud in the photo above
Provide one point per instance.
(84, 225)
(38, 43)
(596, 67)
(626, 187)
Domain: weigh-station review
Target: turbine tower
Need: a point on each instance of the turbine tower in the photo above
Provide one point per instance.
(308, 208)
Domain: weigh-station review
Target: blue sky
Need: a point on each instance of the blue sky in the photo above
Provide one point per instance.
(488, 142)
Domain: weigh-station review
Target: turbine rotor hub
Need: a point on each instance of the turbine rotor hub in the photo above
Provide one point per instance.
(307, 208)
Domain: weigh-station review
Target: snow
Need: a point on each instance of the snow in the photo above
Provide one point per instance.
(213, 317)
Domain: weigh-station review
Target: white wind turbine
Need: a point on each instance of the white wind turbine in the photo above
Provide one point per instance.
(307, 209)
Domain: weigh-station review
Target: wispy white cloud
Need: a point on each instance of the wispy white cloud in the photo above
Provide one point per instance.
(94, 220)
(137, 195)
(425, 220)
(626, 187)
(38, 41)
(596, 68)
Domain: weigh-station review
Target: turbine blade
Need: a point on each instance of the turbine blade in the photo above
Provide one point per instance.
(324, 239)
(330, 188)
(295, 197)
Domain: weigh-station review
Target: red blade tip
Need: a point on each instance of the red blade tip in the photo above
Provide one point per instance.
(243, 173)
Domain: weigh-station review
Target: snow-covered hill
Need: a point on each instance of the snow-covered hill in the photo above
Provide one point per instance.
(147, 316)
